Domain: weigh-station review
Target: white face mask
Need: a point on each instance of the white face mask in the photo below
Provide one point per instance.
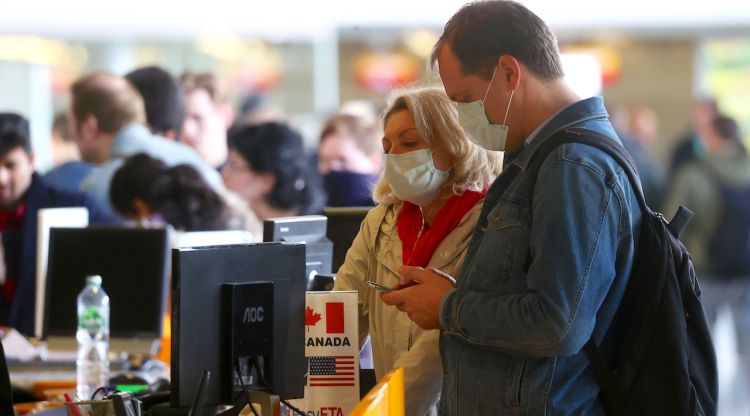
(477, 126)
(413, 176)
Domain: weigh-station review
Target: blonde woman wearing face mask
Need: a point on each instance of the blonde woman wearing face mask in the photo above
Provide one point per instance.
(430, 195)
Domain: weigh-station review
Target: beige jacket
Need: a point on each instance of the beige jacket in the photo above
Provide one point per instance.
(396, 340)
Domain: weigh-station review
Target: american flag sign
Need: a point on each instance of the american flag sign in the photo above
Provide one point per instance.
(331, 371)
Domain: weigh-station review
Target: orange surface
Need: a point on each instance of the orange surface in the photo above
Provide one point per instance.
(24, 408)
(165, 345)
(385, 399)
(44, 390)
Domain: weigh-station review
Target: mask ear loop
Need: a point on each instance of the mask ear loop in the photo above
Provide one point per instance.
(507, 110)
(489, 86)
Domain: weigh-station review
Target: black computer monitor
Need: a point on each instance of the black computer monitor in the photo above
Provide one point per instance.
(202, 329)
(134, 265)
(343, 226)
(310, 229)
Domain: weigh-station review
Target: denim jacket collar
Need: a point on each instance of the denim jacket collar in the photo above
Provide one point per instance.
(588, 109)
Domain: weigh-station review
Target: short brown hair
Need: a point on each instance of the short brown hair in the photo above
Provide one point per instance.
(110, 98)
(192, 81)
(482, 31)
(363, 133)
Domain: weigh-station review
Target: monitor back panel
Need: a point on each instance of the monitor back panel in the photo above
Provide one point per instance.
(343, 226)
(199, 341)
(134, 265)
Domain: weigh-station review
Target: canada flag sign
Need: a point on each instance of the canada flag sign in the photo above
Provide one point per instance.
(332, 350)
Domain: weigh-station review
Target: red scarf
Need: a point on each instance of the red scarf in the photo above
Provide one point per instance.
(418, 249)
(10, 220)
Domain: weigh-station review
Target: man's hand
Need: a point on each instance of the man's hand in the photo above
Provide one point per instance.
(419, 294)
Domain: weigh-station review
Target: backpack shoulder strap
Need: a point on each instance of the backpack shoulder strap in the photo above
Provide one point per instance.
(623, 158)
(619, 154)
(594, 139)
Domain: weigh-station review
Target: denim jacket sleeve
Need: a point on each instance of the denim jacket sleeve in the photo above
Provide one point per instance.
(550, 309)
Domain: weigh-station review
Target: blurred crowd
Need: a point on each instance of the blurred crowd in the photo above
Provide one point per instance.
(151, 149)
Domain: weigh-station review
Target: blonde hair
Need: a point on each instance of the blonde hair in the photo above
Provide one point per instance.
(436, 120)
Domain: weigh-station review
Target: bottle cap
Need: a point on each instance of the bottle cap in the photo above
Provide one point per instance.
(94, 280)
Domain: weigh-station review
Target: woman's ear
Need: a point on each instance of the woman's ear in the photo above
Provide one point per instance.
(266, 182)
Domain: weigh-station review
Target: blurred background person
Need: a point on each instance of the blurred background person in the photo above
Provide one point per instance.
(147, 191)
(22, 193)
(349, 158)
(163, 99)
(256, 110)
(109, 116)
(637, 128)
(690, 146)
(430, 196)
(207, 119)
(68, 171)
(267, 167)
(716, 188)
(363, 109)
(644, 124)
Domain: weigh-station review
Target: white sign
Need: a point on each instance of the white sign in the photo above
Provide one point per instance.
(332, 351)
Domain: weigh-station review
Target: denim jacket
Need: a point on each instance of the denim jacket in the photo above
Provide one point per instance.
(532, 292)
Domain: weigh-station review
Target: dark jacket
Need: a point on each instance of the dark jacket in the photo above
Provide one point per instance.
(20, 249)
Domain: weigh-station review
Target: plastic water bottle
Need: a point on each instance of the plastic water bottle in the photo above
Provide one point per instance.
(92, 364)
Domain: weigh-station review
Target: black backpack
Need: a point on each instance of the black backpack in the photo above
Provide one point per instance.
(660, 357)
(729, 248)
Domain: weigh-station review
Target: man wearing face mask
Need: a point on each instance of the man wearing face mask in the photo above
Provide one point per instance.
(429, 197)
(550, 258)
(349, 158)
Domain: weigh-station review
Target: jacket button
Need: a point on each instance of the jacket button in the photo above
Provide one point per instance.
(445, 254)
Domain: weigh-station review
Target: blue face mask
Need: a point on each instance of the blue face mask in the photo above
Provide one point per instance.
(477, 126)
(413, 176)
(347, 189)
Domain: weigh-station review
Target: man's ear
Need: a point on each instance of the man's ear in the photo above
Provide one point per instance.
(510, 68)
(32, 160)
(89, 127)
(170, 134)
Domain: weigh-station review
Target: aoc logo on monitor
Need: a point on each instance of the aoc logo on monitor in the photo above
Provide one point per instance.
(251, 320)
(253, 314)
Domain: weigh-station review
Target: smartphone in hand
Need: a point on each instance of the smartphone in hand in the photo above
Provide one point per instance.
(379, 287)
